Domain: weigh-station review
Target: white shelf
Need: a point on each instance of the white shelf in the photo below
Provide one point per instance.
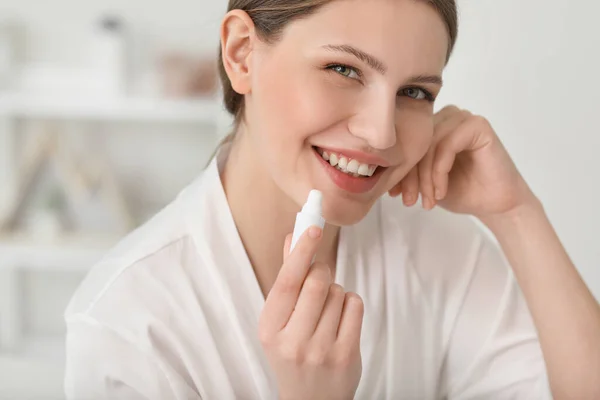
(90, 107)
(62, 254)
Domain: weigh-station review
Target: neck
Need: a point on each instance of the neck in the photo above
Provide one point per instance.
(263, 214)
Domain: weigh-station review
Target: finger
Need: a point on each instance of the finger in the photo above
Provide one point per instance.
(445, 113)
(396, 190)
(425, 167)
(306, 315)
(282, 298)
(466, 136)
(327, 327)
(443, 163)
(450, 123)
(410, 187)
(350, 328)
(445, 122)
(286, 246)
(437, 179)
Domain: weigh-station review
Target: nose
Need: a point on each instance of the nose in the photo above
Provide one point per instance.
(375, 123)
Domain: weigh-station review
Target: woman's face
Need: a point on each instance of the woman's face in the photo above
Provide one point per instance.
(343, 103)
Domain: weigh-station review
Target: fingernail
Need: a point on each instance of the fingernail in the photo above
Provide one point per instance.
(426, 203)
(314, 232)
(438, 194)
(408, 197)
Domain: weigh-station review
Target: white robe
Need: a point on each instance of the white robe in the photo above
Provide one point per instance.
(172, 311)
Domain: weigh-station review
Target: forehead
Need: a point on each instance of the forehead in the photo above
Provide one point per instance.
(406, 34)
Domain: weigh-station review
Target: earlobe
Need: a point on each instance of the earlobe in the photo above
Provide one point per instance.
(237, 33)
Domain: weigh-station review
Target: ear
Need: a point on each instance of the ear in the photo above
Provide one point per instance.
(237, 37)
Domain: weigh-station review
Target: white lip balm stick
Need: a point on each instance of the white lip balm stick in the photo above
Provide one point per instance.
(310, 215)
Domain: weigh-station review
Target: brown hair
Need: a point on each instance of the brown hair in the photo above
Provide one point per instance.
(270, 17)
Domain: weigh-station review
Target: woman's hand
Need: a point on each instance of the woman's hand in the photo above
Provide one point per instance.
(310, 328)
(466, 170)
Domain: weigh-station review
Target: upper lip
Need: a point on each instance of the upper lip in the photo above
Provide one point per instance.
(360, 156)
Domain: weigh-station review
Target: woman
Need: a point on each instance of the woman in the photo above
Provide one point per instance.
(401, 302)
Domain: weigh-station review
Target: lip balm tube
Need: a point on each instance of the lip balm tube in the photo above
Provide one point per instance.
(310, 215)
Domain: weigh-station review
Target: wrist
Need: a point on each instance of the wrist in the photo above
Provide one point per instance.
(519, 216)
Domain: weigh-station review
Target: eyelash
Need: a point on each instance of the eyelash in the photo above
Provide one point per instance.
(332, 67)
(428, 95)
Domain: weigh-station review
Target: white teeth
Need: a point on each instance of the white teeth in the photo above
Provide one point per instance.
(353, 166)
(343, 163)
(363, 170)
(333, 160)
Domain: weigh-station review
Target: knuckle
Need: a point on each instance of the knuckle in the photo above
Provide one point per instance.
(317, 357)
(292, 352)
(316, 285)
(442, 147)
(336, 290)
(287, 284)
(320, 272)
(345, 359)
(355, 301)
(480, 122)
(266, 336)
(439, 169)
(452, 108)
(320, 268)
(446, 145)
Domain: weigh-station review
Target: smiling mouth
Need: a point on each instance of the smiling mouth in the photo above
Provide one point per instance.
(348, 165)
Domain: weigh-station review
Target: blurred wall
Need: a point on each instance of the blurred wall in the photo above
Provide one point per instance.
(57, 30)
(531, 67)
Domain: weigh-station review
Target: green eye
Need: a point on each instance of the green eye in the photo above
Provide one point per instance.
(340, 69)
(415, 93)
(418, 94)
(344, 70)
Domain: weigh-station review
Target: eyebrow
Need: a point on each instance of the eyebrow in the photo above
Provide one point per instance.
(370, 60)
(378, 65)
(435, 79)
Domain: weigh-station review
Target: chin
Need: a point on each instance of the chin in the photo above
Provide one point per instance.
(344, 213)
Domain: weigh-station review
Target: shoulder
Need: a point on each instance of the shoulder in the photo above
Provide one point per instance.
(123, 310)
(156, 253)
(131, 259)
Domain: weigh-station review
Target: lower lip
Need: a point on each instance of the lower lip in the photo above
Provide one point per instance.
(347, 182)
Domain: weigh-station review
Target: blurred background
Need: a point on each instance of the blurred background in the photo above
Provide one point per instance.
(108, 109)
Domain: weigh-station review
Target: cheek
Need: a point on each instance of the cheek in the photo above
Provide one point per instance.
(295, 100)
(415, 136)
